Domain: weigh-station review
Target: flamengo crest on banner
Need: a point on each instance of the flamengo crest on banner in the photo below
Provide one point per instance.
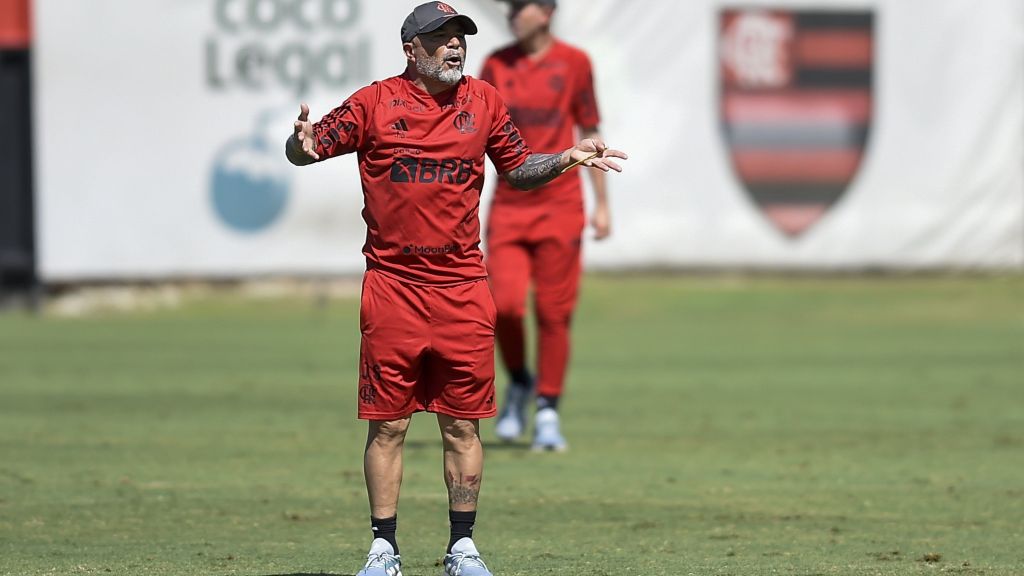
(796, 103)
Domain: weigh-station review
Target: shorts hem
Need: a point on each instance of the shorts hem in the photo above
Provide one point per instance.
(463, 414)
(378, 416)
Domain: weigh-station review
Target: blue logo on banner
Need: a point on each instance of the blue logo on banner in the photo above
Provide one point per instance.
(251, 184)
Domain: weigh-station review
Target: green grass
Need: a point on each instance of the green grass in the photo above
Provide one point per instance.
(718, 427)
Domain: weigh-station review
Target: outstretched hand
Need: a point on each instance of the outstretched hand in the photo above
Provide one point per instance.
(304, 133)
(593, 152)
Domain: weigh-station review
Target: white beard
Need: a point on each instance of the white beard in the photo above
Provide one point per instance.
(434, 68)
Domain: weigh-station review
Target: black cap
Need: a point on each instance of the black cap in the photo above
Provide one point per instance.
(431, 16)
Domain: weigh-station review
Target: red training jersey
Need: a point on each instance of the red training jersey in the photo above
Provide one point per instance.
(547, 99)
(421, 162)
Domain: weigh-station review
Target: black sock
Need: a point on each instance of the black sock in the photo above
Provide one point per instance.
(385, 528)
(547, 402)
(462, 526)
(521, 378)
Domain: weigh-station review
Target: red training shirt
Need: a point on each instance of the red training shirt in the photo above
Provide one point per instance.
(421, 162)
(547, 99)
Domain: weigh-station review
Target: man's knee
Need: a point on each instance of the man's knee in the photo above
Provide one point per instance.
(458, 432)
(554, 308)
(388, 432)
(553, 318)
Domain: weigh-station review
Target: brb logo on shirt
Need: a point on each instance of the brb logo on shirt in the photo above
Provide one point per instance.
(429, 171)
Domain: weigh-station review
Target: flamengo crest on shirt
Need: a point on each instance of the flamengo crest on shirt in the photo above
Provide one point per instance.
(796, 102)
(465, 122)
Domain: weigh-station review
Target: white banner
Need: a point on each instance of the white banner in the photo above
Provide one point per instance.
(160, 129)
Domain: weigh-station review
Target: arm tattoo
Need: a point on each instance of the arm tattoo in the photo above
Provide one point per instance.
(464, 489)
(538, 169)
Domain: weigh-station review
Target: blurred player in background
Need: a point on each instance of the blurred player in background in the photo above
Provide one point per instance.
(549, 88)
(427, 317)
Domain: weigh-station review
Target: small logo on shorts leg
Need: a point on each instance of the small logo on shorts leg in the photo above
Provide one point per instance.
(367, 394)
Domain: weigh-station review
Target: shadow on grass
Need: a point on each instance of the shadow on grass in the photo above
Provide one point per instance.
(311, 574)
(488, 445)
(508, 446)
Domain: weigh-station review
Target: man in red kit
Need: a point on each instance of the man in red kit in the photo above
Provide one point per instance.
(427, 317)
(549, 88)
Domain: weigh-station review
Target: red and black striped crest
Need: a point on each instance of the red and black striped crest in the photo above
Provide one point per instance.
(796, 106)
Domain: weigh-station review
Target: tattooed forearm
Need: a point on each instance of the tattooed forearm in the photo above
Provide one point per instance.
(463, 490)
(538, 169)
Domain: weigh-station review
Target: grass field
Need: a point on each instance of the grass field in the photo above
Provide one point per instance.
(718, 427)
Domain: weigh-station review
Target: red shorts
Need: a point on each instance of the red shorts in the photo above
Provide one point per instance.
(425, 348)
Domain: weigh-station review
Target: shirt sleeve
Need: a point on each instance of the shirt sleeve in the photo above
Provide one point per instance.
(505, 146)
(584, 101)
(343, 130)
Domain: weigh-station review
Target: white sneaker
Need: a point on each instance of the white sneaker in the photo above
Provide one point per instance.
(547, 434)
(382, 560)
(464, 560)
(512, 419)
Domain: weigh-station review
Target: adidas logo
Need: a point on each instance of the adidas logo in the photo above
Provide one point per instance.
(400, 128)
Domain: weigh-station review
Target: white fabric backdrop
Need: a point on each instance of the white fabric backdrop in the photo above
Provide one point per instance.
(139, 103)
